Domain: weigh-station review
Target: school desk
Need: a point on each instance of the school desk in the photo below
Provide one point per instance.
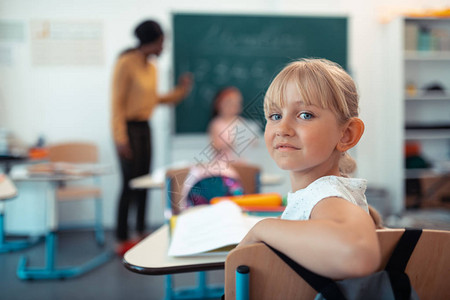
(50, 270)
(156, 181)
(150, 257)
(7, 161)
(8, 191)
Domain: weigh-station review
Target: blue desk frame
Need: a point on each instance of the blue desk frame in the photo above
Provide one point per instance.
(9, 192)
(50, 270)
(13, 245)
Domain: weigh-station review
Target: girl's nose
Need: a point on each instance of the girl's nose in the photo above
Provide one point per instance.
(284, 128)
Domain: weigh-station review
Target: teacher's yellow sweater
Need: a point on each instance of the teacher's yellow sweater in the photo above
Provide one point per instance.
(134, 93)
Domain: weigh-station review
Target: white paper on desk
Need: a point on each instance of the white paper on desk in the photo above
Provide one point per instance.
(64, 168)
(208, 228)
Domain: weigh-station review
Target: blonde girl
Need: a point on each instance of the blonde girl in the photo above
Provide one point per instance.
(311, 109)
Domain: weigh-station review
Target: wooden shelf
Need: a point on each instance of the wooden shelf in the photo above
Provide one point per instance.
(428, 98)
(425, 19)
(441, 169)
(427, 134)
(419, 173)
(427, 56)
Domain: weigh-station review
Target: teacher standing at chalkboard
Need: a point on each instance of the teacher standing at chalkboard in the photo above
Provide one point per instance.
(134, 97)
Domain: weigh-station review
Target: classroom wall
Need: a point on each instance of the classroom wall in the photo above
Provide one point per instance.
(72, 102)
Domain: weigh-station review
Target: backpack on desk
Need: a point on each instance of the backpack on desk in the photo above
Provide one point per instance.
(392, 283)
(215, 186)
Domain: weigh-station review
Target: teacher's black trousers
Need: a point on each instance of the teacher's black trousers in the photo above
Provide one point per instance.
(139, 135)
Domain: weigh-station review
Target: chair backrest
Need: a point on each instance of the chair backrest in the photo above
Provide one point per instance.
(174, 185)
(249, 177)
(271, 278)
(73, 152)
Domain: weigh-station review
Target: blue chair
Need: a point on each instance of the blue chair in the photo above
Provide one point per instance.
(175, 178)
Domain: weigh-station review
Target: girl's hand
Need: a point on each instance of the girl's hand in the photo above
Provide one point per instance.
(251, 237)
(247, 240)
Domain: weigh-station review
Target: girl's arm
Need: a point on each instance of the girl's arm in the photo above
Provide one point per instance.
(339, 241)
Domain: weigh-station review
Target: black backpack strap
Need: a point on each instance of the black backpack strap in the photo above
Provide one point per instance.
(320, 283)
(401, 286)
(402, 252)
(395, 267)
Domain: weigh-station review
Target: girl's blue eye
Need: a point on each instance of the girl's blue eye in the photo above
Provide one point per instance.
(306, 116)
(275, 117)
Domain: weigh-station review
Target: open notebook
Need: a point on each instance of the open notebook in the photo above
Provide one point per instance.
(210, 229)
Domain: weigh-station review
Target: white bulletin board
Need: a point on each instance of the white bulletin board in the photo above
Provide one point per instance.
(71, 43)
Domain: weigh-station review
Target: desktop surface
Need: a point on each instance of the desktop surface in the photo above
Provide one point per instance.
(150, 257)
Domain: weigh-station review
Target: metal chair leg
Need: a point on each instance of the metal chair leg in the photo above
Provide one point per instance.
(99, 231)
(201, 291)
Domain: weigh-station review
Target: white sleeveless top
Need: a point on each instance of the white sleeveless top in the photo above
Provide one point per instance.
(301, 202)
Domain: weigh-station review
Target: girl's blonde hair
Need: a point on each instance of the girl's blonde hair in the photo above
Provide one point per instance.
(322, 83)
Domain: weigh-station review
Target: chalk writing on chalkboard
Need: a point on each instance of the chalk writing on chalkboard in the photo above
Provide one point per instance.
(245, 51)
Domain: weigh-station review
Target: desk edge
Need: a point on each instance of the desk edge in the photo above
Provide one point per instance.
(175, 269)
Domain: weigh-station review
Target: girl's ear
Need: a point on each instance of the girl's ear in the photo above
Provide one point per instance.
(351, 133)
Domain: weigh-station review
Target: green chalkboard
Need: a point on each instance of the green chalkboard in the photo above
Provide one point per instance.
(245, 51)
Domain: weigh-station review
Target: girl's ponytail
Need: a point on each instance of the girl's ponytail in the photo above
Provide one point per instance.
(347, 165)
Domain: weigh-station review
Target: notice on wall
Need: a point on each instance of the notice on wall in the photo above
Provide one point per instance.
(11, 31)
(12, 34)
(6, 56)
(74, 43)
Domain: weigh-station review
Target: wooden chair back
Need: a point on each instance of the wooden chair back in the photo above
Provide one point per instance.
(249, 176)
(80, 153)
(76, 153)
(174, 185)
(73, 152)
(271, 278)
